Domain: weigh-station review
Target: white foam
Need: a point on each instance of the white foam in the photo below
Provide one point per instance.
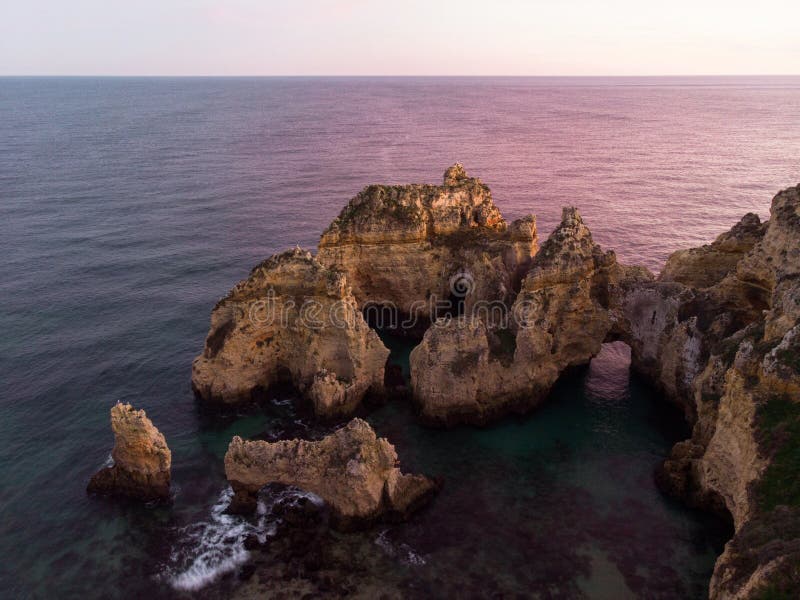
(403, 552)
(211, 548)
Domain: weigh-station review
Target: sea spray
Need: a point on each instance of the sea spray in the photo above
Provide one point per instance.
(209, 549)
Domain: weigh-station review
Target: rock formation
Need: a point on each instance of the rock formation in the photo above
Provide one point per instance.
(291, 320)
(726, 346)
(353, 470)
(410, 247)
(142, 460)
(708, 265)
(472, 370)
(718, 333)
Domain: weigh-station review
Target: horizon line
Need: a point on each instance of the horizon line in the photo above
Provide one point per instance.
(409, 76)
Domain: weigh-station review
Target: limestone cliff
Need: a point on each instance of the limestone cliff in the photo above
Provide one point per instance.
(470, 370)
(726, 345)
(142, 460)
(708, 265)
(412, 246)
(291, 320)
(353, 470)
(718, 333)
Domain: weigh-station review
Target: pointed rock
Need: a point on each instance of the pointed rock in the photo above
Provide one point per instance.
(142, 460)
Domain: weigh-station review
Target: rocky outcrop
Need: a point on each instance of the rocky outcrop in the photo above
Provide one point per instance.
(708, 265)
(726, 345)
(353, 470)
(142, 460)
(291, 320)
(718, 332)
(470, 370)
(415, 248)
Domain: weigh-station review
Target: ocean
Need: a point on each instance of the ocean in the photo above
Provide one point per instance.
(128, 206)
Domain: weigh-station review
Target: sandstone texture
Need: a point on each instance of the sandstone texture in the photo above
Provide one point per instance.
(353, 470)
(467, 370)
(718, 332)
(412, 246)
(724, 344)
(142, 460)
(708, 265)
(292, 320)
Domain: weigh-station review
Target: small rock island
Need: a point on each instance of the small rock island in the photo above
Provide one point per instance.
(353, 470)
(141, 458)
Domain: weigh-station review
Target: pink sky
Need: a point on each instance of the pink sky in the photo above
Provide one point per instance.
(410, 37)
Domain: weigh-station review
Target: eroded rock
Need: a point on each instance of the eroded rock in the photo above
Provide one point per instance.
(468, 370)
(708, 265)
(353, 470)
(142, 460)
(724, 344)
(291, 320)
(411, 246)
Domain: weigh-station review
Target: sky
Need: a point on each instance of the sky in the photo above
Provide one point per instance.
(400, 37)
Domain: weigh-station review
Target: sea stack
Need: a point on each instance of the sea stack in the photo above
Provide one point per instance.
(142, 460)
(353, 470)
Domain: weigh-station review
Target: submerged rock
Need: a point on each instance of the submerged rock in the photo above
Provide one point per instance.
(291, 320)
(410, 247)
(142, 460)
(353, 470)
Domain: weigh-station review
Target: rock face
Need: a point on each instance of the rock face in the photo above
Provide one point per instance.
(411, 246)
(708, 265)
(718, 333)
(142, 460)
(291, 320)
(468, 370)
(725, 343)
(353, 470)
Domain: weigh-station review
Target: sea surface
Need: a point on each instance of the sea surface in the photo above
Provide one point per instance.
(128, 206)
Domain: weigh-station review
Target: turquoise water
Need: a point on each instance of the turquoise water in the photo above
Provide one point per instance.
(129, 206)
(560, 500)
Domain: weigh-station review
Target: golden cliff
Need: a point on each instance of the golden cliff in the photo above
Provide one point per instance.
(718, 332)
(292, 320)
(353, 470)
(409, 247)
(481, 365)
(727, 347)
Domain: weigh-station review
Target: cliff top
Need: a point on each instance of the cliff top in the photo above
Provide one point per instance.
(416, 210)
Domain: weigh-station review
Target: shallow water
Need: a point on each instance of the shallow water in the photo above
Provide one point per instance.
(128, 206)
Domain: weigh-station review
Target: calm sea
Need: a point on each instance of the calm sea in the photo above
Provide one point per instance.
(128, 206)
